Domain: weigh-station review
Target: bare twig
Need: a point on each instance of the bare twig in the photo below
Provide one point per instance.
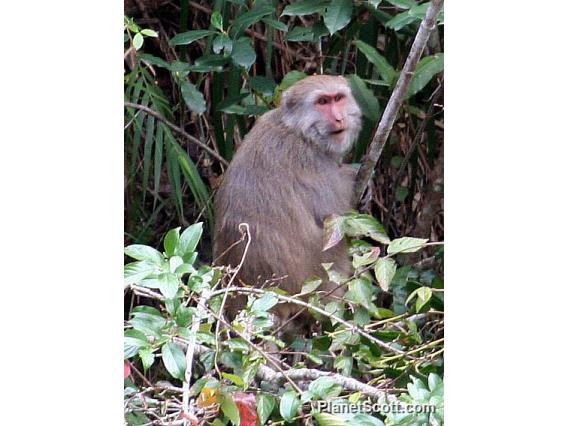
(177, 129)
(350, 326)
(245, 230)
(201, 308)
(395, 101)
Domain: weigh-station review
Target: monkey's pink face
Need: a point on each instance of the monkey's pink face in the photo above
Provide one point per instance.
(333, 108)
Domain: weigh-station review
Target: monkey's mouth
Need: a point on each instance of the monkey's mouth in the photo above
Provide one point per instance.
(338, 132)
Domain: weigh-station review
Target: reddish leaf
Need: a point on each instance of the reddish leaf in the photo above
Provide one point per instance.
(246, 402)
(332, 231)
(126, 369)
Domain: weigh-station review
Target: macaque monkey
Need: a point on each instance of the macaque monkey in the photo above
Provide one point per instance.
(284, 180)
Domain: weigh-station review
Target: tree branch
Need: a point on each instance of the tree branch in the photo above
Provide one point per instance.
(387, 120)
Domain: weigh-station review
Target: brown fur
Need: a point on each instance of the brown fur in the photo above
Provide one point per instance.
(284, 183)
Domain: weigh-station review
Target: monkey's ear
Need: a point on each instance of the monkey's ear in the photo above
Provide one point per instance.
(288, 100)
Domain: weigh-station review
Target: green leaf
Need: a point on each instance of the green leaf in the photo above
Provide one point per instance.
(406, 245)
(264, 303)
(263, 85)
(324, 388)
(311, 284)
(385, 268)
(423, 296)
(235, 379)
(183, 316)
(291, 78)
(137, 41)
(264, 405)
(170, 241)
(248, 18)
(149, 33)
(344, 364)
(385, 70)
(174, 360)
(141, 252)
(358, 224)
(153, 60)
(401, 193)
(401, 20)
(426, 69)
(179, 68)
(289, 404)
(277, 25)
(188, 239)
(209, 63)
(327, 419)
(403, 4)
(230, 409)
(222, 42)
(337, 15)
(365, 97)
(311, 34)
(217, 20)
(134, 340)
(361, 292)
(147, 358)
(305, 7)
(189, 37)
(193, 98)
(136, 271)
(243, 54)
(168, 284)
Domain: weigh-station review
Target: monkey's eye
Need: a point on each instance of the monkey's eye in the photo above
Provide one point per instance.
(322, 101)
(338, 97)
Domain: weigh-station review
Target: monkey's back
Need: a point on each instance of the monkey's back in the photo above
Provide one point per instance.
(283, 187)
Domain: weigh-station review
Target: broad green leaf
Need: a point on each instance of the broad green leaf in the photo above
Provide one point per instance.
(358, 224)
(230, 409)
(193, 98)
(305, 7)
(361, 292)
(289, 404)
(324, 388)
(385, 268)
(401, 193)
(264, 303)
(136, 271)
(134, 340)
(277, 25)
(149, 33)
(168, 285)
(426, 69)
(401, 20)
(423, 296)
(183, 316)
(291, 78)
(188, 239)
(174, 359)
(311, 284)
(406, 245)
(403, 4)
(337, 15)
(344, 364)
(264, 405)
(209, 63)
(189, 37)
(366, 258)
(179, 68)
(222, 42)
(237, 380)
(175, 262)
(147, 358)
(243, 54)
(137, 41)
(365, 97)
(263, 85)
(327, 419)
(362, 419)
(217, 20)
(248, 18)
(311, 34)
(153, 60)
(171, 240)
(141, 252)
(385, 70)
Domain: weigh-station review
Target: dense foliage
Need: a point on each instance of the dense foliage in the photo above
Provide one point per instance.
(196, 76)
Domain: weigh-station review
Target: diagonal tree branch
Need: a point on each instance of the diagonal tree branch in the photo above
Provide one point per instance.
(387, 120)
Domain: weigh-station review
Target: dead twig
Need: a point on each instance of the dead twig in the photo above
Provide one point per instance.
(387, 120)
